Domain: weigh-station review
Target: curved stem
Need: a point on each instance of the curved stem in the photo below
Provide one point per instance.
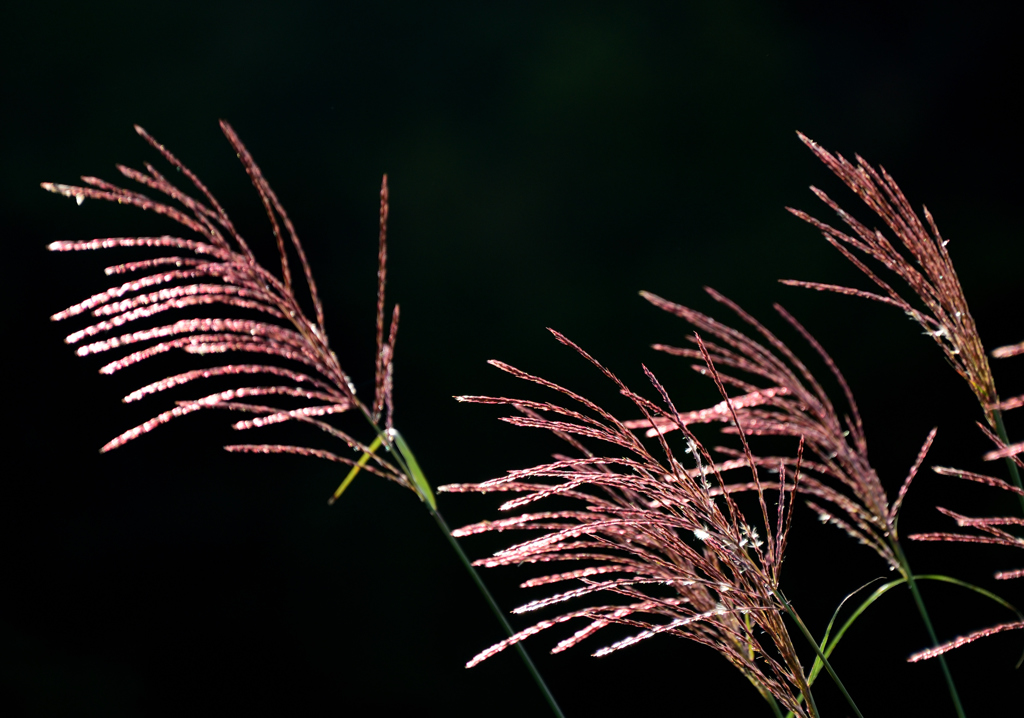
(919, 601)
(824, 660)
(499, 615)
(408, 464)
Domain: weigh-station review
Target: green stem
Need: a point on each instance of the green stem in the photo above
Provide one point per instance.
(498, 613)
(1010, 463)
(824, 661)
(408, 464)
(909, 575)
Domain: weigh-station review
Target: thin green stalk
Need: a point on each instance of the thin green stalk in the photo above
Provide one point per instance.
(498, 613)
(403, 456)
(912, 584)
(824, 661)
(1010, 463)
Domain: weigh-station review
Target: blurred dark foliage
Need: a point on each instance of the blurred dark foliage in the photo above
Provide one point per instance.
(546, 162)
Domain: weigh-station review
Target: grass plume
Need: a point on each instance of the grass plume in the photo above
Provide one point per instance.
(658, 531)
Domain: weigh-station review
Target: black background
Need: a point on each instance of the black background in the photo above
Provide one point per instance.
(546, 162)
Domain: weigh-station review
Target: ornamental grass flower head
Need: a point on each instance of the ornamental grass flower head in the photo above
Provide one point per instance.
(781, 397)
(919, 258)
(658, 542)
(210, 265)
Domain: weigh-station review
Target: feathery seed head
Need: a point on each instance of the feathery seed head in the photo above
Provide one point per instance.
(783, 398)
(923, 264)
(662, 537)
(213, 266)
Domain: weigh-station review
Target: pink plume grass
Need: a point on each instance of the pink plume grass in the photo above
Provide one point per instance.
(666, 550)
(919, 258)
(784, 398)
(213, 266)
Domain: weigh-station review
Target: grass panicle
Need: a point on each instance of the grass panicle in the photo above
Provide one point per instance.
(782, 397)
(656, 530)
(214, 266)
(919, 258)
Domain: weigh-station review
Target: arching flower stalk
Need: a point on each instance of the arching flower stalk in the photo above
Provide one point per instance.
(215, 267)
(661, 537)
(783, 398)
(923, 264)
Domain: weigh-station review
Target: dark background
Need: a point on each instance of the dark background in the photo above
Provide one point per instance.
(546, 162)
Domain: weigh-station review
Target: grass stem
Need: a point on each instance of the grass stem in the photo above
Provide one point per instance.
(499, 615)
(407, 462)
(824, 661)
(919, 601)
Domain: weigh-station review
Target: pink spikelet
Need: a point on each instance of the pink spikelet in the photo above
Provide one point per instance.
(660, 545)
(1010, 350)
(964, 640)
(211, 266)
(990, 530)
